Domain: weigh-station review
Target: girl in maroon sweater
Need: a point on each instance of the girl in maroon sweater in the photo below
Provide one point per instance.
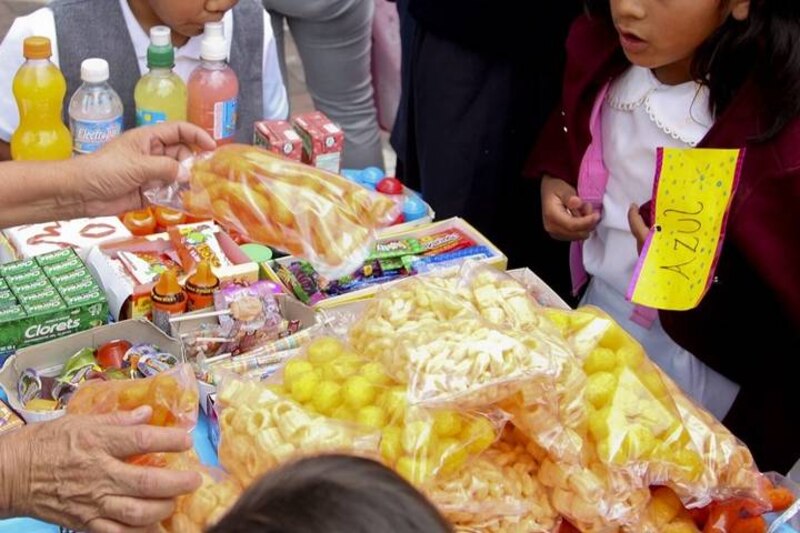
(644, 74)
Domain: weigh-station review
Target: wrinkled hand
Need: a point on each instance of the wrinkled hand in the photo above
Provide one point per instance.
(111, 179)
(71, 472)
(638, 227)
(566, 216)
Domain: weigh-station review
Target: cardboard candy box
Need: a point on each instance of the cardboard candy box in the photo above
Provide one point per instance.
(81, 234)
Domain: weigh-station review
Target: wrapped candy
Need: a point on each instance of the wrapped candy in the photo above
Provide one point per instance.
(301, 210)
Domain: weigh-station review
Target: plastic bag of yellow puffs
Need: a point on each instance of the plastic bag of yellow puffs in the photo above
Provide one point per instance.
(498, 491)
(640, 422)
(331, 380)
(432, 333)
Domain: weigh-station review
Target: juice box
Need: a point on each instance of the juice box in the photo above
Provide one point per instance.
(322, 141)
(279, 136)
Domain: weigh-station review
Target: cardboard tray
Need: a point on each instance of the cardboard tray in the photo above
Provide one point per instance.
(49, 358)
(291, 309)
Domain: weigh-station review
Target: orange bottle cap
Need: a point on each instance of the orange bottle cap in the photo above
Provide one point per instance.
(167, 284)
(37, 48)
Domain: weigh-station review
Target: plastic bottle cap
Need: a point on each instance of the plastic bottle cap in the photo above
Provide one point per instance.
(167, 284)
(94, 70)
(160, 36)
(214, 47)
(160, 53)
(37, 48)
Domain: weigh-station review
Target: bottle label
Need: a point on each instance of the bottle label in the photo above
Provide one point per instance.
(225, 118)
(90, 135)
(146, 118)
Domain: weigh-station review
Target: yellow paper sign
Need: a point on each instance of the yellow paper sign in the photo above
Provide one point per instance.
(693, 192)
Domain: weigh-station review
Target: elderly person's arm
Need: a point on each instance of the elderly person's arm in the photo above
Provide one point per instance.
(107, 182)
(72, 472)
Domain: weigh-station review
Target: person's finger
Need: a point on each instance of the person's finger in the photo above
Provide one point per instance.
(161, 169)
(172, 133)
(129, 441)
(574, 204)
(150, 482)
(576, 225)
(137, 416)
(637, 225)
(136, 512)
(104, 525)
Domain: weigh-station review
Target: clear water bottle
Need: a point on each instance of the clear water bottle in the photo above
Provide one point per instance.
(95, 110)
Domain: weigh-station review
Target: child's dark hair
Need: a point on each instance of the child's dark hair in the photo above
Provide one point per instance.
(332, 494)
(765, 47)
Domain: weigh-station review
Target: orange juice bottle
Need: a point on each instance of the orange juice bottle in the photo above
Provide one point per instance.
(169, 299)
(201, 286)
(39, 88)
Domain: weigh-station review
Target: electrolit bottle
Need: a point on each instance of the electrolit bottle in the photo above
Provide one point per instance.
(214, 88)
(95, 110)
(160, 95)
(39, 88)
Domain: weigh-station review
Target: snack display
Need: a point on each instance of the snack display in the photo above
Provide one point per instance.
(307, 212)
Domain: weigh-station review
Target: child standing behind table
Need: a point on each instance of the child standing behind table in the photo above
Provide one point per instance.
(117, 30)
(645, 74)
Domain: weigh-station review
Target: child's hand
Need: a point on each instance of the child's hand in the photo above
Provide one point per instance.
(638, 226)
(566, 216)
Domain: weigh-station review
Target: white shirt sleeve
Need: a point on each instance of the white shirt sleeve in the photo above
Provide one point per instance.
(40, 22)
(275, 99)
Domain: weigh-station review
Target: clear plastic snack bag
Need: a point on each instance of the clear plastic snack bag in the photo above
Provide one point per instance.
(302, 210)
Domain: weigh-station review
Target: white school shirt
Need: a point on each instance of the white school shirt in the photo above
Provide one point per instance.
(187, 58)
(640, 114)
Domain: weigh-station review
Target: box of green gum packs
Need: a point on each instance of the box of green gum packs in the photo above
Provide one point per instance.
(45, 298)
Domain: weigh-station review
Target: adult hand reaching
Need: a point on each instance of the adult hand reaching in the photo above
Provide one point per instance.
(72, 472)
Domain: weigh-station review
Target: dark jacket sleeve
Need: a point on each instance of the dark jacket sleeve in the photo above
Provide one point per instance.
(551, 156)
(766, 229)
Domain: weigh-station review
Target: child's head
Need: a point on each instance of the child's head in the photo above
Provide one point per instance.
(186, 18)
(720, 43)
(332, 494)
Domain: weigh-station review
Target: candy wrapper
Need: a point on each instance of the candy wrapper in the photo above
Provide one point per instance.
(306, 212)
(196, 243)
(447, 338)
(173, 395)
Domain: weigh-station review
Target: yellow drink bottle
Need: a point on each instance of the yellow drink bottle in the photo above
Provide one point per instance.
(160, 95)
(39, 89)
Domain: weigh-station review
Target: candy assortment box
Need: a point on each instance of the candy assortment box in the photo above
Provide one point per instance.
(200, 334)
(47, 297)
(80, 233)
(439, 246)
(49, 359)
(127, 269)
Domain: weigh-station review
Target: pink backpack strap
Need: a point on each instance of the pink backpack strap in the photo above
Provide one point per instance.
(592, 182)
